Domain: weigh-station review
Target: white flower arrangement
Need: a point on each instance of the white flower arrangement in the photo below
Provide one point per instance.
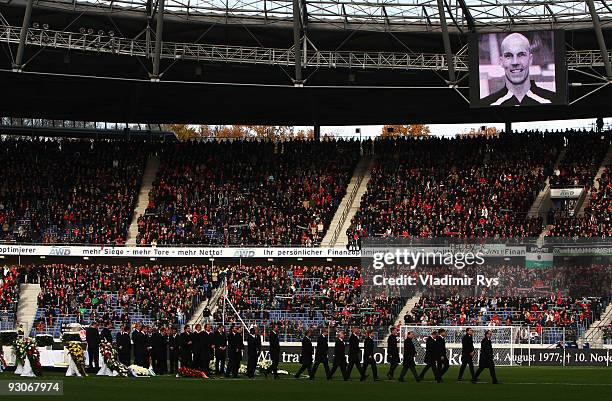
(139, 371)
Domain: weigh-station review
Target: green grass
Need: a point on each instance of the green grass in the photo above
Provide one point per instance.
(518, 383)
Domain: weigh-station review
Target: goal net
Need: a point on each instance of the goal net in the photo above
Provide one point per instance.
(503, 342)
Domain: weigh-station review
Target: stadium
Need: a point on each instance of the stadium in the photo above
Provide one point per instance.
(258, 200)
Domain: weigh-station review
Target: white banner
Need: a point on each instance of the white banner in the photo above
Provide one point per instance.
(566, 193)
(236, 253)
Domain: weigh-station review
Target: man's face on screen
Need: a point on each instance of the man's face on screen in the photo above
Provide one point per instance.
(516, 58)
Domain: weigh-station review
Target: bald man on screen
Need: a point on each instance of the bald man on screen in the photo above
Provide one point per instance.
(516, 58)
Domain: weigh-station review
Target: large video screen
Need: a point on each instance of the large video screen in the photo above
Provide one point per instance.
(510, 69)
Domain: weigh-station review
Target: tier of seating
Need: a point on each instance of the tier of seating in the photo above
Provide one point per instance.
(597, 219)
(80, 293)
(466, 188)
(247, 192)
(305, 296)
(59, 191)
(9, 297)
(585, 152)
(538, 314)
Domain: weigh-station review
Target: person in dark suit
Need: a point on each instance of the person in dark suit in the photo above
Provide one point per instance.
(124, 346)
(306, 356)
(207, 344)
(92, 336)
(486, 358)
(148, 348)
(138, 339)
(185, 344)
(409, 355)
(106, 332)
(354, 354)
(368, 357)
(220, 341)
(253, 351)
(339, 357)
(235, 346)
(196, 338)
(274, 352)
(159, 352)
(443, 363)
(467, 353)
(392, 352)
(173, 349)
(321, 355)
(431, 357)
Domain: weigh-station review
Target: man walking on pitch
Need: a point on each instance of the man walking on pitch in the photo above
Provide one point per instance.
(409, 354)
(339, 357)
(253, 350)
(354, 354)
(274, 352)
(431, 357)
(486, 358)
(467, 353)
(443, 363)
(321, 355)
(306, 357)
(368, 357)
(392, 353)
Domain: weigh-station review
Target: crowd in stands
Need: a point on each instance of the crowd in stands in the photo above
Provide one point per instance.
(464, 188)
(166, 295)
(76, 191)
(585, 152)
(302, 296)
(247, 192)
(553, 311)
(9, 288)
(597, 219)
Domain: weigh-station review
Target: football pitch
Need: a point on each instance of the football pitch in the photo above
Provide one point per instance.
(517, 383)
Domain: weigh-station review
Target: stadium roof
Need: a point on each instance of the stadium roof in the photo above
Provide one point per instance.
(385, 15)
(232, 61)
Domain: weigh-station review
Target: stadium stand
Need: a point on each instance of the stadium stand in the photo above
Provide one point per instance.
(151, 294)
(466, 188)
(68, 191)
(306, 296)
(9, 297)
(247, 192)
(597, 219)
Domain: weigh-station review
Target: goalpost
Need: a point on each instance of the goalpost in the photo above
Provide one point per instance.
(503, 342)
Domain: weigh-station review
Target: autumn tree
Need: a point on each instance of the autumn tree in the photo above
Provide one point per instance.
(414, 130)
(182, 131)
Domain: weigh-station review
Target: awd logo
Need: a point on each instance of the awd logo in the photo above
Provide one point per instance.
(244, 253)
(59, 251)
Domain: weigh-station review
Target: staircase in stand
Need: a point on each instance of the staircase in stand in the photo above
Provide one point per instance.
(595, 335)
(28, 304)
(143, 196)
(605, 164)
(542, 202)
(349, 205)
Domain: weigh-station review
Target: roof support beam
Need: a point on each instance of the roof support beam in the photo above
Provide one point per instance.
(159, 31)
(387, 22)
(23, 34)
(600, 39)
(297, 49)
(468, 15)
(446, 40)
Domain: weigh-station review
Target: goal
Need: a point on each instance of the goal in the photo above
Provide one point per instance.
(503, 342)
